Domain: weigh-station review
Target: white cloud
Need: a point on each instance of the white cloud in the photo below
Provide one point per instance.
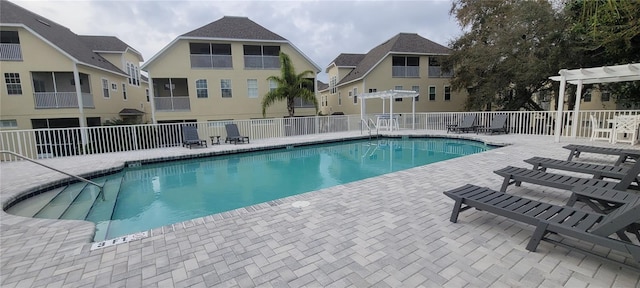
(321, 29)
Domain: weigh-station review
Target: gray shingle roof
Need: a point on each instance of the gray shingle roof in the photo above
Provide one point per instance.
(348, 60)
(234, 28)
(107, 44)
(321, 85)
(401, 43)
(58, 35)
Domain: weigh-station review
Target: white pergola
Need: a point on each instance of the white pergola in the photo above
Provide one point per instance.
(606, 74)
(391, 95)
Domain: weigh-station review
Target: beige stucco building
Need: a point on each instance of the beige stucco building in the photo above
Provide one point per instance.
(404, 62)
(219, 72)
(54, 78)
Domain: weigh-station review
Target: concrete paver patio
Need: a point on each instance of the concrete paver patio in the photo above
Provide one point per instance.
(387, 231)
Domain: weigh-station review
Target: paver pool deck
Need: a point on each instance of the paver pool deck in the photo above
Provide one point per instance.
(387, 231)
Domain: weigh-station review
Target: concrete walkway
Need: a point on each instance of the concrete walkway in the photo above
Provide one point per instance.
(388, 231)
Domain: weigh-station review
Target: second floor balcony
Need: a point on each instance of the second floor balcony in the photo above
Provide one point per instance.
(58, 100)
(10, 52)
(168, 104)
(209, 61)
(261, 62)
(405, 71)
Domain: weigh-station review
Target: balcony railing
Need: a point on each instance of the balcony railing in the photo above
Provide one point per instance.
(211, 61)
(48, 100)
(10, 51)
(261, 62)
(406, 71)
(172, 103)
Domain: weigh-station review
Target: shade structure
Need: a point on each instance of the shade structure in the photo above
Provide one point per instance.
(579, 77)
(389, 95)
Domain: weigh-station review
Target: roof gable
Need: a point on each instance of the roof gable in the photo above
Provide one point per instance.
(411, 43)
(108, 44)
(57, 35)
(229, 27)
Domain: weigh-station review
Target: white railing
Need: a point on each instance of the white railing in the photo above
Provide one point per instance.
(45, 100)
(49, 143)
(211, 61)
(10, 52)
(172, 103)
(261, 62)
(405, 71)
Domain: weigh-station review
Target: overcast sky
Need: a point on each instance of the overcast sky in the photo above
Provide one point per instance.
(320, 29)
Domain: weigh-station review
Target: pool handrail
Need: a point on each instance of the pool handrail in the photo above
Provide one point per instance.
(100, 187)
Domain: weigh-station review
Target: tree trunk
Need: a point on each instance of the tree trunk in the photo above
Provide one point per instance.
(290, 108)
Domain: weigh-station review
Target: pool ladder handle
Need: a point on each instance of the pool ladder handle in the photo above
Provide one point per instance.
(366, 124)
(100, 193)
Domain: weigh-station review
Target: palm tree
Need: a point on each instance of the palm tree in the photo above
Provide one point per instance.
(290, 86)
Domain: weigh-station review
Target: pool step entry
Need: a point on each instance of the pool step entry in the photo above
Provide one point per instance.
(79, 201)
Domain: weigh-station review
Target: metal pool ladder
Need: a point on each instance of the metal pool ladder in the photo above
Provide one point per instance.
(100, 193)
(366, 124)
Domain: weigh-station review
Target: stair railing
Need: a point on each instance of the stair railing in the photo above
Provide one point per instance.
(100, 193)
(366, 124)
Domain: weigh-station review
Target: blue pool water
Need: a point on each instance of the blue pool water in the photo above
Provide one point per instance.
(159, 194)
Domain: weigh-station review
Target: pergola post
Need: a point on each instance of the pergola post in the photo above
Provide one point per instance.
(563, 84)
(576, 111)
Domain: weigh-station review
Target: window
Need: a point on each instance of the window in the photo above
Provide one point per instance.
(355, 95)
(405, 66)
(114, 86)
(332, 84)
(210, 55)
(587, 96)
(9, 37)
(10, 123)
(432, 93)
(447, 93)
(340, 98)
(201, 88)
(13, 83)
(605, 96)
(261, 57)
(10, 46)
(105, 88)
(225, 88)
(397, 87)
(124, 91)
(146, 92)
(273, 85)
(134, 74)
(373, 90)
(417, 89)
(252, 88)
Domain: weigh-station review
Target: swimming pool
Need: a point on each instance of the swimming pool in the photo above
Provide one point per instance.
(153, 195)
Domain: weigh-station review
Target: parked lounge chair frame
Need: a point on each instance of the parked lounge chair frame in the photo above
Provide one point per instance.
(517, 175)
(597, 170)
(498, 124)
(233, 135)
(467, 125)
(564, 221)
(623, 154)
(190, 137)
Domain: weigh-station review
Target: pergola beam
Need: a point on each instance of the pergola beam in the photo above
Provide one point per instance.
(582, 76)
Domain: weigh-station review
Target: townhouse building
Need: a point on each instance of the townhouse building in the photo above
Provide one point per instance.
(54, 78)
(405, 62)
(219, 72)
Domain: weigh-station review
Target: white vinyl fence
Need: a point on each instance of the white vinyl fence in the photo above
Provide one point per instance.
(63, 142)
